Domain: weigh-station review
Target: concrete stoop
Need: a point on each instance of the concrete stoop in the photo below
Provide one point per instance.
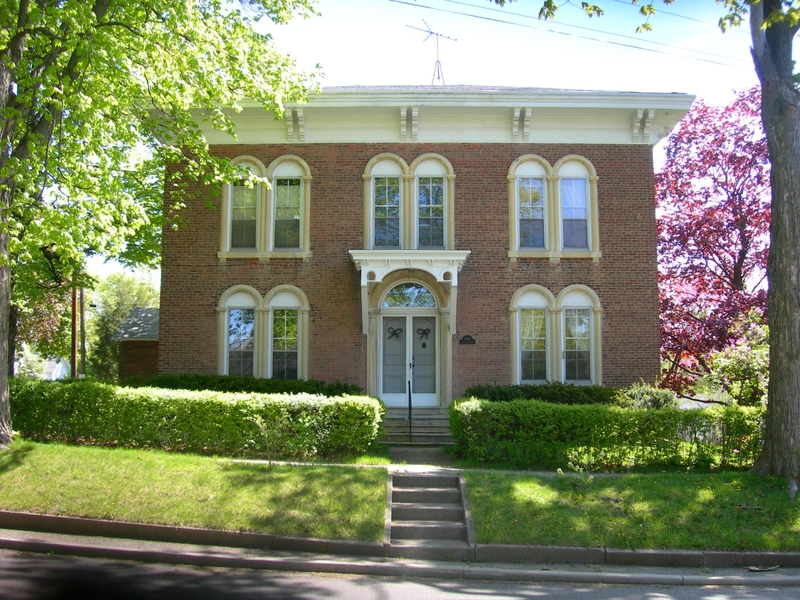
(427, 517)
(429, 427)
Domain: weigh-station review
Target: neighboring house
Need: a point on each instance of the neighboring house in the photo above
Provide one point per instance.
(138, 337)
(427, 238)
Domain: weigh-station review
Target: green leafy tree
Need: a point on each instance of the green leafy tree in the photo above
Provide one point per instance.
(97, 97)
(742, 369)
(774, 24)
(113, 299)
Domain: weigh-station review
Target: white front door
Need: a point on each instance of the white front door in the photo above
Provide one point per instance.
(409, 359)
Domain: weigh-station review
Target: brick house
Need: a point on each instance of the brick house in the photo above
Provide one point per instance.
(427, 238)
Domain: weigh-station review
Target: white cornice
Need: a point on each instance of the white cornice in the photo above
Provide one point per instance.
(462, 114)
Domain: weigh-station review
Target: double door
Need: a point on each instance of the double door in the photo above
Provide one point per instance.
(409, 359)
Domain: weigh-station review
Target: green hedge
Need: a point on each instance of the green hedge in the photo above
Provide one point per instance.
(529, 433)
(554, 392)
(91, 413)
(225, 383)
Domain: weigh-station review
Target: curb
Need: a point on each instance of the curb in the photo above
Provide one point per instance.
(164, 544)
(175, 554)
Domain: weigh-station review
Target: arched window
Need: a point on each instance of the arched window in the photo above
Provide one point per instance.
(581, 325)
(532, 309)
(289, 205)
(411, 295)
(263, 337)
(553, 210)
(287, 335)
(408, 207)
(266, 222)
(238, 331)
(578, 228)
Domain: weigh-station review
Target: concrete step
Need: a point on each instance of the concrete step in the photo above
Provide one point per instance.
(425, 425)
(429, 530)
(427, 511)
(430, 549)
(414, 495)
(419, 480)
(425, 439)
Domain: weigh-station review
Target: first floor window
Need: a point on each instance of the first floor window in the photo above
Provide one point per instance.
(241, 341)
(533, 344)
(284, 343)
(577, 344)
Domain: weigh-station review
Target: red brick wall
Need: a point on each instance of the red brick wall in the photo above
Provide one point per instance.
(624, 279)
(138, 358)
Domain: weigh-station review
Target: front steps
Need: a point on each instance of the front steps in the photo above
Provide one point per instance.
(429, 427)
(428, 518)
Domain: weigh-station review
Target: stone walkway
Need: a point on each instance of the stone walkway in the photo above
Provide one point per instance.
(420, 455)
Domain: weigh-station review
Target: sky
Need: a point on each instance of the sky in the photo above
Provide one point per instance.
(374, 42)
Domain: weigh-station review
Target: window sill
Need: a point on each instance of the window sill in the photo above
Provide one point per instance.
(555, 256)
(263, 257)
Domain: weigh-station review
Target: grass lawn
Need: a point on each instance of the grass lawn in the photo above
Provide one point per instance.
(172, 489)
(717, 511)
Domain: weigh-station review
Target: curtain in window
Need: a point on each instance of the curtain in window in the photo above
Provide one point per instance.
(574, 213)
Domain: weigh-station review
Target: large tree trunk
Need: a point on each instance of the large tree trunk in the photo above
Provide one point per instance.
(5, 305)
(13, 320)
(772, 52)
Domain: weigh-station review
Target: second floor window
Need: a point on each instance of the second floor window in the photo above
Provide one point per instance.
(574, 213)
(287, 194)
(430, 212)
(531, 211)
(387, 212)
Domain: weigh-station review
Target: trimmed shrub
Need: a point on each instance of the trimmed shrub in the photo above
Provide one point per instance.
(644, 395)
(554, 392)
(529, 433)
(227, 383)
(91, 413)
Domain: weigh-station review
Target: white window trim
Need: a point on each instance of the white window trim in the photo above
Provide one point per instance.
(553, 250)
(265, 223)
(595, 332)
(516, 331)
(262, 366)
(408, 201)
(555, 341)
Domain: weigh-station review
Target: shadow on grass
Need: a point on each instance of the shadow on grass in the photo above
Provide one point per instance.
(721, 511)
(12, 457)
(327, 502)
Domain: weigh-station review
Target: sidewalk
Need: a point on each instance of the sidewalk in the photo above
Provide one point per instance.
(217, 556)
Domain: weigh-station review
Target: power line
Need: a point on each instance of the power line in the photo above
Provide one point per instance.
(505, 22)
(679, 16)
(583, 28)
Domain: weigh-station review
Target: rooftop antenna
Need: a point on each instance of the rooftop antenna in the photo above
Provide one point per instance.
(438, 76)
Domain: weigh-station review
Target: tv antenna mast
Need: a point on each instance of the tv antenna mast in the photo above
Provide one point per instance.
(438, 76)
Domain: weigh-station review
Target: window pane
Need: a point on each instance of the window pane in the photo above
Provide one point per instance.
(577, 344)
(533, 344)
(284, 343)
(287, 213)
(386, 208)
(430, 212)
(244, 202)
(574, 213)
(409, 294)
(241, 343)
(531, 233)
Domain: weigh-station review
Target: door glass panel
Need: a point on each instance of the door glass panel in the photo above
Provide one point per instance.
(394, 356)
(424, 374)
